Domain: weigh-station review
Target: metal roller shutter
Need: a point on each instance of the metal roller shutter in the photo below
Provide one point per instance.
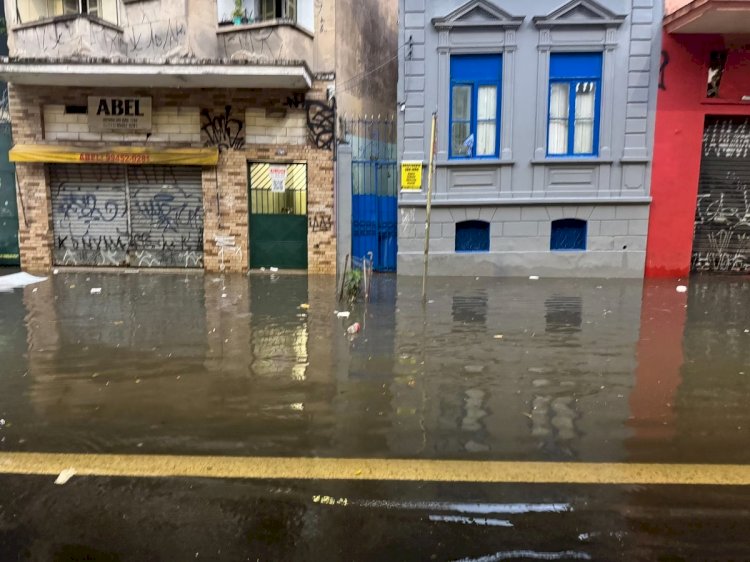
(722, 220)
(89, 214)
(141, 216)
(166, 216)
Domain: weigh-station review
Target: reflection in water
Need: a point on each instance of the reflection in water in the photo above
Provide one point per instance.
(504, 369)
(563, 314)
(469, 313)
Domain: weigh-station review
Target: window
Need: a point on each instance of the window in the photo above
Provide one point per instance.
(279, 9)
(717, 64)
(568, 234)
(475, 106)
(574, 100)
(33, 10)
(254, 11)
(473, 236)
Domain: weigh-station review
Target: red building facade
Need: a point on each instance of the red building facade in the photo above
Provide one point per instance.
(700, 214)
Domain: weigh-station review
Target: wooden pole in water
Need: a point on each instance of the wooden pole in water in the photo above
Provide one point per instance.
(433, 136)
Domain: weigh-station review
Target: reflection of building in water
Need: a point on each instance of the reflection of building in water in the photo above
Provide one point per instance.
(469, 312)
(710, 398)
(563, 314)
(660, 358)
(180, 362)
(280, 349)
(278, 343)
(518, 367)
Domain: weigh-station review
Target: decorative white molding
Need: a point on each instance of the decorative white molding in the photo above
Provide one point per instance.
(478, 14)
(578, 13)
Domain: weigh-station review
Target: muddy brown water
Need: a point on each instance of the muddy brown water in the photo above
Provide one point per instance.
(592, 370)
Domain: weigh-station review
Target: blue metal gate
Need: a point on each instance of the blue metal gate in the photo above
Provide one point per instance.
(374, 191)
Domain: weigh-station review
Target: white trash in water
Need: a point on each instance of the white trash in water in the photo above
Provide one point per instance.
(533, 278)
(18, 281)
(343, 314)
(274, 269)
(96, 291)
(682, 289)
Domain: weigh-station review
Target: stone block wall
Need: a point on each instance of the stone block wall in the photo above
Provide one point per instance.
(174, 125)
(194, 118)
(291, 129)
(520, 241)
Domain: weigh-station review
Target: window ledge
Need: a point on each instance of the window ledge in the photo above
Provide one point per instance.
(470, 162)
(570, 161)
(64, 18)
(224, 29)
(719, 101)
(419, 199)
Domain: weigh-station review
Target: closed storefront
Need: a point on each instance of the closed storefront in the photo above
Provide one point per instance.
(278, 215)
(139, 216)
(722, 219)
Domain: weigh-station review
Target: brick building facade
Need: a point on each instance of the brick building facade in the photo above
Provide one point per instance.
(179, 119)
(159, 134)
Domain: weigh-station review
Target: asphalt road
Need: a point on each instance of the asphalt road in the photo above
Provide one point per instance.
(144, 519)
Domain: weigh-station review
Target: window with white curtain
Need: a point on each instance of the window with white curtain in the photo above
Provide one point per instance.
(574, 104)
(33, 10)
(475, 103)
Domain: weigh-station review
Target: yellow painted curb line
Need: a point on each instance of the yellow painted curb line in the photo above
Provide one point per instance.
(161, 466)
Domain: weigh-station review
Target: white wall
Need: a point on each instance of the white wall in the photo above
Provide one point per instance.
(305, 14)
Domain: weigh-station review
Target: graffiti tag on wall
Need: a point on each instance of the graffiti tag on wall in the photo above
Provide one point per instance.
(222, 130)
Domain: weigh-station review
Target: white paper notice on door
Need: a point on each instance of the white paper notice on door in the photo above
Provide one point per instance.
(278, 178)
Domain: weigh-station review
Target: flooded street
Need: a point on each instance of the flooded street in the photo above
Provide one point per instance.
(557, 371)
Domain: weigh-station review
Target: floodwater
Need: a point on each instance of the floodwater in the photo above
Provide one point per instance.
(490, 369)
(597, 370)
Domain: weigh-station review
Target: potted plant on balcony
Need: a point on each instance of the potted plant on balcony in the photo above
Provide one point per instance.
(238, 12)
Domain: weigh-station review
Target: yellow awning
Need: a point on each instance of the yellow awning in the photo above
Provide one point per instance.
(132, 155)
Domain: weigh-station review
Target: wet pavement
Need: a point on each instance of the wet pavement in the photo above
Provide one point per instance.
(613, 371)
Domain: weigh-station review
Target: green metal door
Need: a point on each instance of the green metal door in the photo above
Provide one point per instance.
(278, 215)
(8, 209)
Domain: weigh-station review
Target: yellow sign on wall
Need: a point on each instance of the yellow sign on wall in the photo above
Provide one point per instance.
(411, 176)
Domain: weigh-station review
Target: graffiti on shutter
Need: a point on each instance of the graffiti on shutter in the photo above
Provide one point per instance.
(142, 216)
(89, 215)
(166, 216)
(722, 218)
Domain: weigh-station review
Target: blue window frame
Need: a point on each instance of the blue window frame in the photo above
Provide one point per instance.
(575, 81)
(475, 106)
(473, 236)
(568, 235)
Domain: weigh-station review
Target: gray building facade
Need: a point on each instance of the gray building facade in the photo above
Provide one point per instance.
(545, 116)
